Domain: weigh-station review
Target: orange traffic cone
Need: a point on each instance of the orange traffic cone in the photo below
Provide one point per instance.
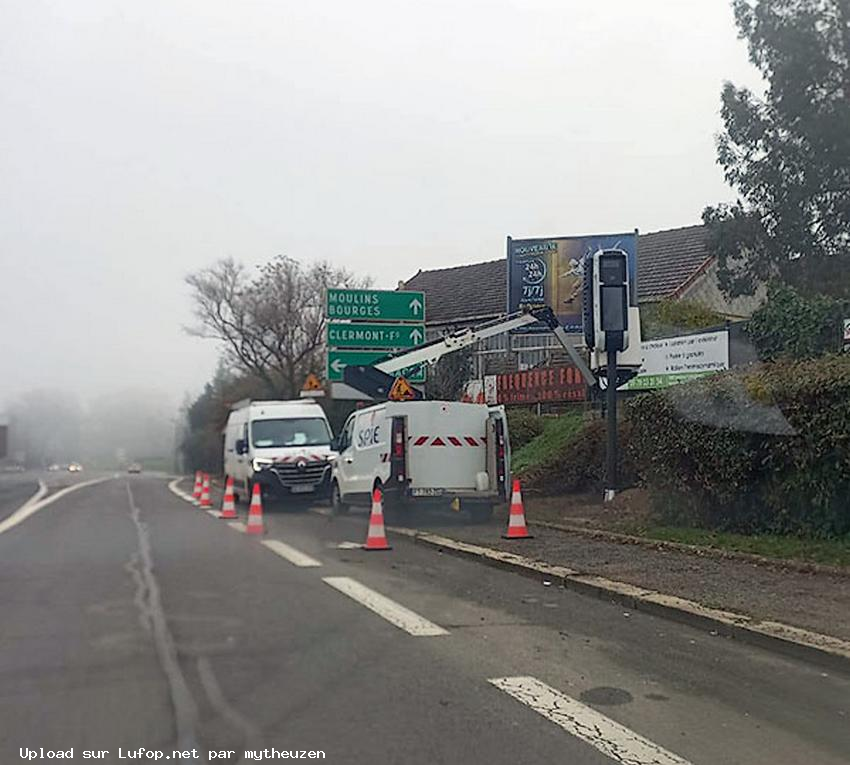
(516, 521)
(255, 514)
(376, 539)
(206, 503)
(196, 492)
(228, 506)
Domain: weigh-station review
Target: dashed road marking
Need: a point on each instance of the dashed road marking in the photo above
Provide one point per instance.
(295, 557)
(394, 613)
(349, 546)
(213, 513)
(238, 525)
(612, 739)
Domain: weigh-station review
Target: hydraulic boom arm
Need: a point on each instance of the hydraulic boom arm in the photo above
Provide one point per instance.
(433, 351)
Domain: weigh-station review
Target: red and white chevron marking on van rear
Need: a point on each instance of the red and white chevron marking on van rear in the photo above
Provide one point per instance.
(474, 441)
(306, 457)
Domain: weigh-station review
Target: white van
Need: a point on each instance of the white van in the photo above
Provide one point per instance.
(424, 451)
(283, 445)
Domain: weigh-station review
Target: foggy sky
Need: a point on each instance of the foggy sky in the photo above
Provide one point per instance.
(142, 140)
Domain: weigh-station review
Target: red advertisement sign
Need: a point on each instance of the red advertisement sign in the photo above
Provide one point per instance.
(561, 383)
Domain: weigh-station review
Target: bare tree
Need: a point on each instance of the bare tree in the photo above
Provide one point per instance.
(272, 326)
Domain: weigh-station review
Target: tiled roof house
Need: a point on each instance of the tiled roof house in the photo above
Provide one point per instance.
(674, 264)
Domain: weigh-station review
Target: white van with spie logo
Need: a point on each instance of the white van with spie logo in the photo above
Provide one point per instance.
(285, 446)
(424, 451)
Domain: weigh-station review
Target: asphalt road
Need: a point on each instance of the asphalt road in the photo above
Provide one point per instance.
(15, 489)
(132, 619)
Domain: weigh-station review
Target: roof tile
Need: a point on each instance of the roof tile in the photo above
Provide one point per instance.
(667, 260)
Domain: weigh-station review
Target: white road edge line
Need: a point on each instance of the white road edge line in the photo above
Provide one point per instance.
(295, 557)
(179, 492)
(31, 506)
(395, 614)
(238, 525)
(609, 737)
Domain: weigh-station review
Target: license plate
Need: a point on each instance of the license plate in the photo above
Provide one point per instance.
(302, 489)
(426, 492)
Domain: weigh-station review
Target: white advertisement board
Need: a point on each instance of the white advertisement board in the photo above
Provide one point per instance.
(679, 359)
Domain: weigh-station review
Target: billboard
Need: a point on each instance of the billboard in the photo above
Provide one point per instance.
(548, 272)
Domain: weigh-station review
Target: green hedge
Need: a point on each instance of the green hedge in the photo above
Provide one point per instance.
(763, 449)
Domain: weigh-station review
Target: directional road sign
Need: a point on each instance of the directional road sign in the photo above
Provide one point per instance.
(371, 335)
(375, 305)
(338, 360)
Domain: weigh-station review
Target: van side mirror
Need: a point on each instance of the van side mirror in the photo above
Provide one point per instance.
(241, 446)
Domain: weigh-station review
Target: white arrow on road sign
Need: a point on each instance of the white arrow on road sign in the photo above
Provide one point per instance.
(338, 365)
(416, 336)
(415, 306)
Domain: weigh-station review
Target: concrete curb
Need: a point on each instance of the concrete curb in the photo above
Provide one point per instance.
(798, 643)
(782, 564)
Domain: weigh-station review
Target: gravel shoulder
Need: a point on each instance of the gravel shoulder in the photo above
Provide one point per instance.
(814, 601)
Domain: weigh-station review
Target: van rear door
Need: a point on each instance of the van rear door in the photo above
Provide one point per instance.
(447, 444)
(498, 451)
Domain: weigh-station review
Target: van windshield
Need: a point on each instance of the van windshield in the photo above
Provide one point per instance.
(302, 431)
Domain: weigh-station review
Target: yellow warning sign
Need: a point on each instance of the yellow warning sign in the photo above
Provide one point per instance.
(402, 390)
(312, 383)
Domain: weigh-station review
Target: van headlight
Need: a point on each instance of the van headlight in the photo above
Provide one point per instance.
(261, 463)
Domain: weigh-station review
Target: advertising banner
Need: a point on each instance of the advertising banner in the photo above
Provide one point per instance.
(674, 360)
(548, 272)
(546, 384)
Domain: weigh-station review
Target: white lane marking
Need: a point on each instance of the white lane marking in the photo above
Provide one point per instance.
(39, 493)
(349, 546)
(30, 507)
(396, 614)
(179, 492)
(213, 513)
(612, 739)
(295, 557)
(238, 525)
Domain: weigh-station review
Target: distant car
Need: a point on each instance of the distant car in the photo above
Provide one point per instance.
(134, 467)
(75, 467)
(54, 468)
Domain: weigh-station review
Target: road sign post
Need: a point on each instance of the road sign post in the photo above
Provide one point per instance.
(369, 325)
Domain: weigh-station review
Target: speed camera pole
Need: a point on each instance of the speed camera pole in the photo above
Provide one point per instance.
(606, 329)
(611, 414)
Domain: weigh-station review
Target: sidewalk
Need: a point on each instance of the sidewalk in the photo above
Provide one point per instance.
(814, 601)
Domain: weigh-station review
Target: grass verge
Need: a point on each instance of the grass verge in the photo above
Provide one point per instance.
(832, 552)
(557, 433)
